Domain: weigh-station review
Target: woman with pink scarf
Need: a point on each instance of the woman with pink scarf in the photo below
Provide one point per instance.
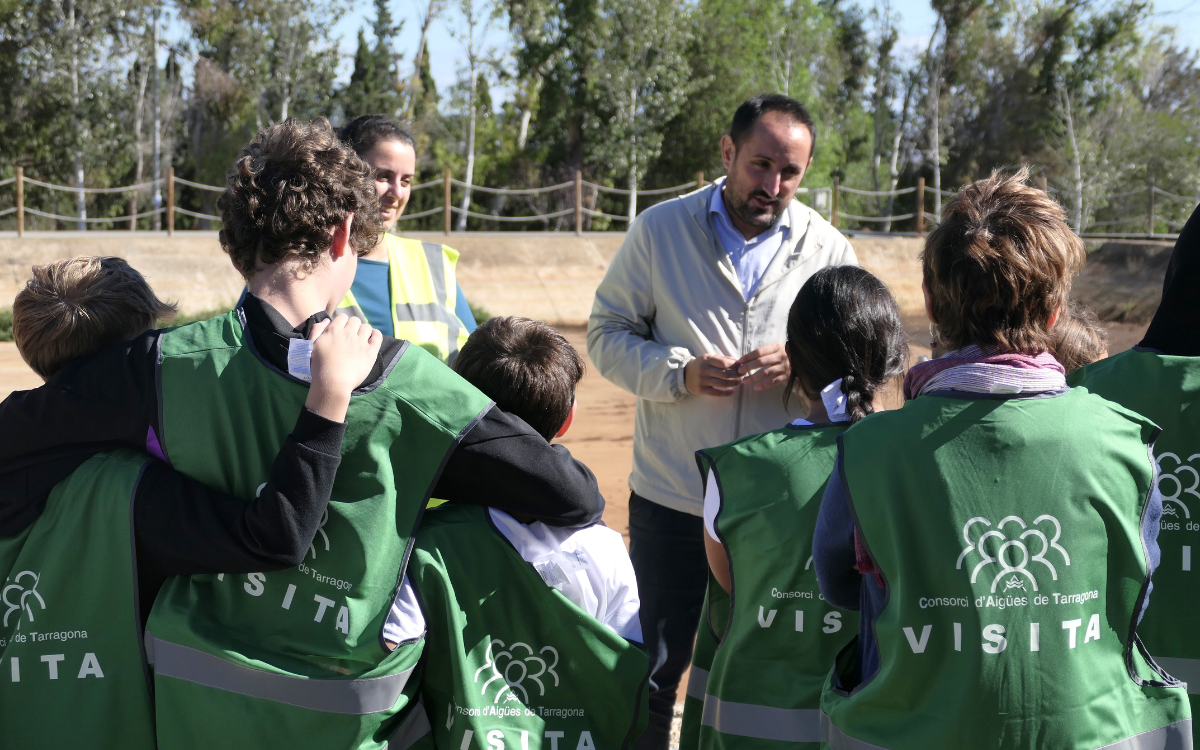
(996, 534)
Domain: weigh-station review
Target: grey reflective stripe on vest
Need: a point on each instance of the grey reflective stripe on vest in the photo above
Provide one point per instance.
(353, 311)
(837, 740)
(1187, 670)
(1177, 736)
(356, 697)
(697, 683)
(437, 312)
(413, 728)
(762, 722)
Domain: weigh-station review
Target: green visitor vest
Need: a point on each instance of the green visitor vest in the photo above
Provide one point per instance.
(714, 617)
(767, 674)
(424, 294)
(1008, 532)
(71, 667)
(510, 662)
(1166, 389)
(295, 658)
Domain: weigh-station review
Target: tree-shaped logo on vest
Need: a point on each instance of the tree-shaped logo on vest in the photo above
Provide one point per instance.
(1172, 487)
(509, 668)
(312, 547)
(21, 594)
(1014, 546)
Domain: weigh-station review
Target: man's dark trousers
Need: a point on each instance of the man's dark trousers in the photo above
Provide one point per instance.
(667, 549)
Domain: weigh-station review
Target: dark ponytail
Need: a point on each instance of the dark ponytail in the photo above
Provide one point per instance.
(845, 324)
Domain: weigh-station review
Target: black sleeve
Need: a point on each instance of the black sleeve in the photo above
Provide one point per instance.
(91, 405)
(504, 464)
(184, 527)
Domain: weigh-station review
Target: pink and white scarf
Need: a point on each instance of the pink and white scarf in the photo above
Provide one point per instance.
(973, 370)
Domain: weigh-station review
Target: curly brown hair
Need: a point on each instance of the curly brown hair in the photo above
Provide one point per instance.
(999, 264)
(287, 191)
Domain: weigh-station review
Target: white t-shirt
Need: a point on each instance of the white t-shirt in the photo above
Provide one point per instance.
(589, 566)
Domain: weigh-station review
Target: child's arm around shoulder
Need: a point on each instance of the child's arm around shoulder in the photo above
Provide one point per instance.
(184, 527)
(95, 403)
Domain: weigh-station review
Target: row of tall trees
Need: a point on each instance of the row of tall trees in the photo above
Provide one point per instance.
(1101, 100)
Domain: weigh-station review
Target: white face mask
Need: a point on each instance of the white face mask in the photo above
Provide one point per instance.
(835, 402)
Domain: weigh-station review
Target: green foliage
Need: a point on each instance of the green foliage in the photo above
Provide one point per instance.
(6, 321)
(184, 318)
(1094, 95)
(642, 80)
(374, 85)
(479, 312)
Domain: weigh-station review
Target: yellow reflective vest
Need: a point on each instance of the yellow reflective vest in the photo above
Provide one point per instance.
(423, 293)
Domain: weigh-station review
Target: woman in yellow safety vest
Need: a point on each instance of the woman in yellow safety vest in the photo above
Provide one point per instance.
(405, 288)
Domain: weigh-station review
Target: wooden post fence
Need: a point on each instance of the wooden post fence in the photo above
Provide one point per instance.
(170, 201)
(578, 202)
(1150, 211)
(920, 210)
(699, 180)
(20, 201)
(133, 212)
(833, 215)
(446, 177)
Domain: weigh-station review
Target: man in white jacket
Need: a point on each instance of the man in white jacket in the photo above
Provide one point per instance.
(690, 318)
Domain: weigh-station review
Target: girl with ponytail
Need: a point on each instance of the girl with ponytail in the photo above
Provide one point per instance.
(777, 638)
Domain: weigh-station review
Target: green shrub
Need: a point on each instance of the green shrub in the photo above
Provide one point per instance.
(480, 312)
(185, 318)
(6, 319)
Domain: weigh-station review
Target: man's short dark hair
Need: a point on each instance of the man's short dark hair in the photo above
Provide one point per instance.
(365, 131)
(526, 367)
(755, 107)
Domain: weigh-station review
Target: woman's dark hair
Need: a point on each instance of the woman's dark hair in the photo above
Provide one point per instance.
(845, 324)
(365, 131)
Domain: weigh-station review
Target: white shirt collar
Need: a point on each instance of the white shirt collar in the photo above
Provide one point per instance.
(835, 401)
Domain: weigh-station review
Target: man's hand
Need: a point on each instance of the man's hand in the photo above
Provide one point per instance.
(344, 351)
(712, 375)
(765, 367)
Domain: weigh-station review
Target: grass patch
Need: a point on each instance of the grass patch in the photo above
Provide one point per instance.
(183, 319)
(480, 312)
(6, 320)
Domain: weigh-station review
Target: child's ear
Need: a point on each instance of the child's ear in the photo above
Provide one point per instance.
(567, 424)
(341, 238)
